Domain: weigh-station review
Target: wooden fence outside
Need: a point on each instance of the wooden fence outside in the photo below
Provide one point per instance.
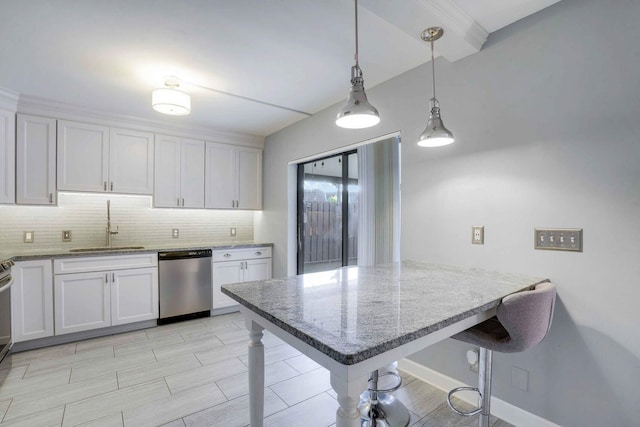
(322, 232)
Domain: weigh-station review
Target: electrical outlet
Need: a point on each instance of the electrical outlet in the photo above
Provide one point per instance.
(175, 233)
(477, 234)
(233, 232)
(27, 236)
(558, 239)
(66, 235)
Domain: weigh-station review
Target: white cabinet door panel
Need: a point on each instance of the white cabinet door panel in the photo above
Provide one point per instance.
(166, 193)
(192, 173)
(36, 160)
(257, 269)
(32, 300)
(221, 176)
(130, 161)
(7, 156)
(134, 295)
(225, 273)
(83, 157)
(249, 178)
(82, 302)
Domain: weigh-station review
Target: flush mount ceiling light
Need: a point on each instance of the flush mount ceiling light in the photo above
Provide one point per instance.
(170, 100)
(357, 113)
(435, 134)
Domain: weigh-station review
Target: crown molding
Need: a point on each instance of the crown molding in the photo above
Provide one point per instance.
(8, 99)
(58, 110)
(463, 35)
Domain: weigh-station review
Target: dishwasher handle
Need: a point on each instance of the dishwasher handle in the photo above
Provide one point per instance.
(200, 253)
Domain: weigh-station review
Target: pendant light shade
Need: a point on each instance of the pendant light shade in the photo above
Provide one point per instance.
(170, 100)
(435, 134)
(357, 113)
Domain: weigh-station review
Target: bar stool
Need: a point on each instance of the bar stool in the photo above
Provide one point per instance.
(522, 321)
(378, 407)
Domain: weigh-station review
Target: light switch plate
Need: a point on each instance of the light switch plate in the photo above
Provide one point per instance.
(27, 236)
(233, 232)
(175, 233)
(558, 239)
(66, 235)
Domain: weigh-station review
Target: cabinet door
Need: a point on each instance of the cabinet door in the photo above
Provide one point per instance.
(134, 295)
(192, 173)
(7, 156)
(82, 302)
(249, 178)
(221, 176)
(32, 300)
(225, 273)
(36, 160)
(166, 183)
(130, 161)
(83, 157)
(257, 269)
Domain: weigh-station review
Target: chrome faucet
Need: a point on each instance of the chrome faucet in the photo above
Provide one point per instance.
(109, 232)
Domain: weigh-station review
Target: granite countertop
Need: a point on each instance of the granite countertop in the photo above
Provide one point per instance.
(30, 254)
(354, 313)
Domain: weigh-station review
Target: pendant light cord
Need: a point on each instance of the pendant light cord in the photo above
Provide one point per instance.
(356, 55)
(433, 71)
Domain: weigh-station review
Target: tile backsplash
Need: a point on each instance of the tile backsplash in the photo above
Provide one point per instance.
(138, 223)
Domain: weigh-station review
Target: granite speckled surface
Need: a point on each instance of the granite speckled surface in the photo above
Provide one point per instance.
(354, 313)
(25, 255)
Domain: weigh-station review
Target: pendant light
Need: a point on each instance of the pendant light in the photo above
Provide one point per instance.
(170, 100)
(435, 134)
(357, 113)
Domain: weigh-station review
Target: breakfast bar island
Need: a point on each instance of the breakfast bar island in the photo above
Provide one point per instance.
(354, 320)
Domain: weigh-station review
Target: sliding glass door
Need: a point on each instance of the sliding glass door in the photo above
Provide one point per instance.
(328, 213)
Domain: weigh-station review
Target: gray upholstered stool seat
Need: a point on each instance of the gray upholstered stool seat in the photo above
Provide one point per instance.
(522, 321)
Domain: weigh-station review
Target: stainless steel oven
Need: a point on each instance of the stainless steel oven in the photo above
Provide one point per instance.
(5, 307)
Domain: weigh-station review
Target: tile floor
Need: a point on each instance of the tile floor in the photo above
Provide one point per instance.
(192, 373)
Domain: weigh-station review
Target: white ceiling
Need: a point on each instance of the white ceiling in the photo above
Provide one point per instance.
(108, 55)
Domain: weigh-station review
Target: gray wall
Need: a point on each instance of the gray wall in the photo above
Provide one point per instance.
(547, 121)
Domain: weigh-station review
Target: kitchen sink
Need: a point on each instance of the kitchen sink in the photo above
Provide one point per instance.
(105, 248)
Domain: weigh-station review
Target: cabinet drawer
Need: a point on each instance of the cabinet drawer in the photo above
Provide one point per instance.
(99, 263)
(242, 254)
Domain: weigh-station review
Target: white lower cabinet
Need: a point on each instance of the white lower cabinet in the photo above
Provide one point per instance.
(121, 289)
(32, 300)
(235, 266)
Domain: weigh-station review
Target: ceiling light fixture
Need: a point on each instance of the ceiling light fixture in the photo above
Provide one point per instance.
(435, 134)
(170, 100)
(357, 113)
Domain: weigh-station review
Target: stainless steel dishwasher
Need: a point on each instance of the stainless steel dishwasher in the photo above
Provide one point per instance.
(185, 285)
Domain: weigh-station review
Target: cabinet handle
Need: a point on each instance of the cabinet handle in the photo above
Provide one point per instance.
(227, 255)
(50, 197)
(178, 201)
(246, 265)
(113, 277)
(106, 278)
(105, 186)
(258, 253)
(111, 185)
(183, 202)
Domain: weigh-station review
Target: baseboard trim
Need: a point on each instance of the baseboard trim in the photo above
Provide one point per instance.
(501, 409)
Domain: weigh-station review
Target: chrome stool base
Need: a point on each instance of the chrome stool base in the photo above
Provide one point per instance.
(378, 408)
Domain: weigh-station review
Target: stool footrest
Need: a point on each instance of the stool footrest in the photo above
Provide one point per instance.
(387, 390)
(458, 411)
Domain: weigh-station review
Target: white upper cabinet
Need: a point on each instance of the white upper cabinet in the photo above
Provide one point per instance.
(35, 160)
(96, 158)
(233, 177)
(7, 156)
(179, 172)
(131, 161)
(83, 157)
